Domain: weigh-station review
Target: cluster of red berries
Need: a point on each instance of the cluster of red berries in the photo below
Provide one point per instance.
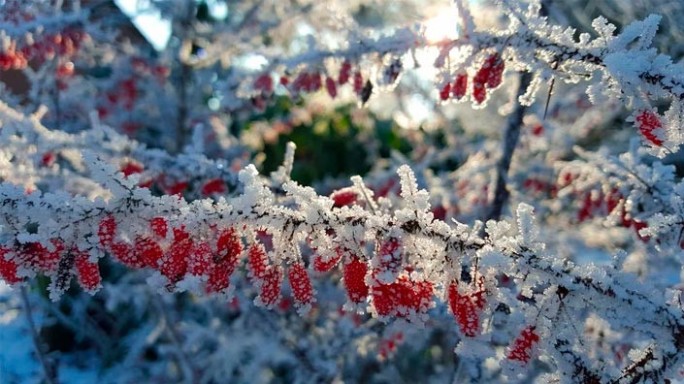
(47, 261)
(209, 187)
(268, 277)
(126, 92)
(403, 297)
(175, 253)
(489, 76)
(44, 47)
(306, 82)
(393, 292)
(455, 90)
(309, 81)
(390, 285)
(593, 203)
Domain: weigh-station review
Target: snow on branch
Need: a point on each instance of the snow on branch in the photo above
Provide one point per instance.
(396, 262)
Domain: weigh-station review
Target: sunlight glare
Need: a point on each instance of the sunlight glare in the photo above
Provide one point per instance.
(442, 26)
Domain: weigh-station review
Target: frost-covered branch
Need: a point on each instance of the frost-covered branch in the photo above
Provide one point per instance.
(395, 262)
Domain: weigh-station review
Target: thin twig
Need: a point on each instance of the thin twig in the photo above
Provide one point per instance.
(548, 96)
(37, 342)
(510, 141)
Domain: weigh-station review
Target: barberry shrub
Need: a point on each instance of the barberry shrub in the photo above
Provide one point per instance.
(534, 231)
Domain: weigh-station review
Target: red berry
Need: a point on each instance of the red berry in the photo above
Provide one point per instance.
(225, 261)
(264, 83)
(390, 260)
(439, 212)
(131, 167)
(402, 297)
(161, 72)
(65, 70)
(219, 277)
(302, 290)
(177, 188)
(148, 251)
(521, 350)
(479, 92)
(88, 272)
(354, 276)
(445, 91)
(270, 287)
(331, 87)
(48, 159)
(321, 265)
(345, 72)
(8, 268)
(649, 125)
(258, 261)
(228, 246)
(285, 304)
(639, 225)
(488, 76)
(175, 263)
(159, 226)
(358, 82)
(199, 260)
(214, 186)
(106, 231)
(465, 309)
(129, 91)
(460, 86)
(496, 69)
(538, 130)
(344, 197)
(126, 254)
(40, 258)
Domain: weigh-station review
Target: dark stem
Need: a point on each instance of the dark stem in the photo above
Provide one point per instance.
(182, 130)
(510, 141)
(184, 29)
(37, 342)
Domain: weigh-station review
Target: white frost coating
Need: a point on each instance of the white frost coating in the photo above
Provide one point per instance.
(548, 289)
(526, 224)
(284, 171)
(415, 199)
(642, 32)
(104, 174)
(627, 66)
(528, 97)
(605, 30)
(255, 190)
